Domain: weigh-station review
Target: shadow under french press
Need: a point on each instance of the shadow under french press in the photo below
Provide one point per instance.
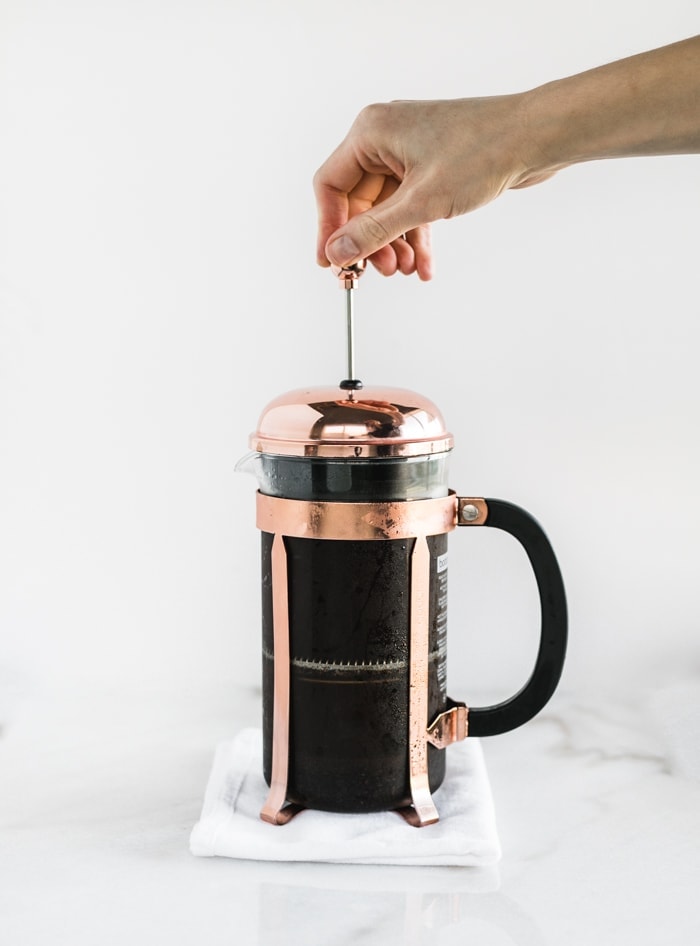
(316, 904)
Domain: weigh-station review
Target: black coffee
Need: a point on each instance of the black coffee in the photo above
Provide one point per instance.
(349, 650)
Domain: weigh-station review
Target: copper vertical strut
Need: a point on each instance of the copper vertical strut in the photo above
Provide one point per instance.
(424, 810)
(274, 810)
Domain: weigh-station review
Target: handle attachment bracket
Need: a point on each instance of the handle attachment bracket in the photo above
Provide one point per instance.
(450, 726)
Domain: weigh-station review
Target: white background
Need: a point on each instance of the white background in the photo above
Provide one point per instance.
(158, 287)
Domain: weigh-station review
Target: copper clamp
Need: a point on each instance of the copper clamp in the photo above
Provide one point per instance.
(471, 511)
(450, 726)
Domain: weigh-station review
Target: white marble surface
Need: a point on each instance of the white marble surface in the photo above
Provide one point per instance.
(99, 791)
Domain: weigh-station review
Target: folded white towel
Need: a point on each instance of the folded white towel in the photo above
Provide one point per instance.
(230, 824)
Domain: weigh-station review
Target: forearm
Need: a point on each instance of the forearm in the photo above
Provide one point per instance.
(644, 105)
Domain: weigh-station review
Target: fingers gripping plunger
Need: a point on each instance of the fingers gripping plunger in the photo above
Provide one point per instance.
(348, 277)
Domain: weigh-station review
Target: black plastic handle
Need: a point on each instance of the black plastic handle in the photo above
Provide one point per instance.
(492, 720)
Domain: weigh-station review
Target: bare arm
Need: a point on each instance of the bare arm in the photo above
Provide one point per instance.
(406, 164)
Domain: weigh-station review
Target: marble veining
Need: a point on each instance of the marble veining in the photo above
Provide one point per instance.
(99, 790)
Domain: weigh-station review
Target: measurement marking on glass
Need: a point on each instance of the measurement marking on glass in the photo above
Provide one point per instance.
(349, 666)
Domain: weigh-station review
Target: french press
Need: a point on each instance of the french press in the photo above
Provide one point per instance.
(354, 511)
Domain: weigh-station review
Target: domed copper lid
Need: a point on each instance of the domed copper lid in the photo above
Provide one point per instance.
(331, 422)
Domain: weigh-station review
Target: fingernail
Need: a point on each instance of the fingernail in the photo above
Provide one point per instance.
(342, 251)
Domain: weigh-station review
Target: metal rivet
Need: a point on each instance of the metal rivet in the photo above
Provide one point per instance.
(469, 512)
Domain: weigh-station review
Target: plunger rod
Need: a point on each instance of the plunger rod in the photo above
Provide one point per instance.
(347, 279)
(350, 316)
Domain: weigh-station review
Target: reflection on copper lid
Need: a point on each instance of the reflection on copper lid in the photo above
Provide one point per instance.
(330, 422)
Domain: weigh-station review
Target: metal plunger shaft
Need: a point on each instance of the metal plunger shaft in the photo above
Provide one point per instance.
(347, 279)
(349, 315)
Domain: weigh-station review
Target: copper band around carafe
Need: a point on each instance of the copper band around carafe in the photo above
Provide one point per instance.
(415, 519)
(305, 519)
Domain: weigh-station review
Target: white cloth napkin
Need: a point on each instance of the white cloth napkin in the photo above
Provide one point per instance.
(230, 824)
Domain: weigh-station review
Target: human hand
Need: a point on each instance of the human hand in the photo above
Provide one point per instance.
(406, 164)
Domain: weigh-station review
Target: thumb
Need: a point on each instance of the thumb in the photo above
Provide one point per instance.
(368, 232)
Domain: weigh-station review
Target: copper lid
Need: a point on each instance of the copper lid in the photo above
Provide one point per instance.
(330, 422)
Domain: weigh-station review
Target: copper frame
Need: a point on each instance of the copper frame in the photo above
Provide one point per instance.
(366, 521)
